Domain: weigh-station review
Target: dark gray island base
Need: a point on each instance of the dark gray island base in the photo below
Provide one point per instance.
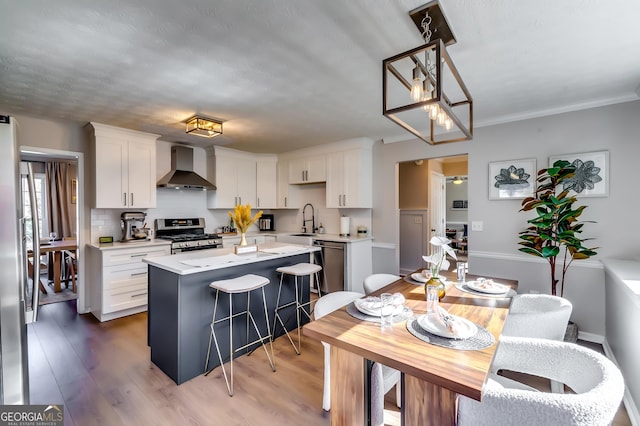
(181, 306)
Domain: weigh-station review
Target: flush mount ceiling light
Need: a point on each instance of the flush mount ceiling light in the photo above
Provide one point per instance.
(422, 89)
(456, 180)
(202, 126)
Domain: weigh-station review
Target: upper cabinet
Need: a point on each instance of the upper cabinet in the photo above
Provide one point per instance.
(266, 182)
(287, 198)
(241, 178)
(234, 174)
(349, 175)
(124, 168)
(310, 169)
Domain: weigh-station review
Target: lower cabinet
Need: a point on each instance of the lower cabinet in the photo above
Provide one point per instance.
(229, 242)
(119, 279)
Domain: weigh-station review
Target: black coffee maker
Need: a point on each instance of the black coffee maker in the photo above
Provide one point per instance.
(267, 223)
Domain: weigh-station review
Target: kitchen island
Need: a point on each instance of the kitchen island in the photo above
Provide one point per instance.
(180, 302)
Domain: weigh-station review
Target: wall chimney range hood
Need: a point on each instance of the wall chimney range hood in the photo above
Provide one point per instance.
(182, 175)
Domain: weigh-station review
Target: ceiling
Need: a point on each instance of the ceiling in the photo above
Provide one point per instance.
(286, 74)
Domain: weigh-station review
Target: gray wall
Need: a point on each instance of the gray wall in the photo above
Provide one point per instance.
(494, 250)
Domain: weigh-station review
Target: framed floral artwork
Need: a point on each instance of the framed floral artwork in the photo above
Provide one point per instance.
(512, 179)
(592, 173)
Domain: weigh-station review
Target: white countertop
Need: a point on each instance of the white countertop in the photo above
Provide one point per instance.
(207, 260)
(319, 237)
(131, 244)
(338, 238)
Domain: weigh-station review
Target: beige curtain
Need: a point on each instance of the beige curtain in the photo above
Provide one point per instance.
(59, 189)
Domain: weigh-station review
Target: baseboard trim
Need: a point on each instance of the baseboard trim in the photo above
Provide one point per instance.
(627, 400)
(591, 337)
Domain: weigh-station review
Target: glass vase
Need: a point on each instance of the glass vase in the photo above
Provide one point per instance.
(243, 239)
(435, 280)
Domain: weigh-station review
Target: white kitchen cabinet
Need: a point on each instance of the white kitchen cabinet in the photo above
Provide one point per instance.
(349, 179)
(229, 242)
(234, 177)
(119, 279)
(311, 169)
(266, 183)
(124, 169)
(287, 194)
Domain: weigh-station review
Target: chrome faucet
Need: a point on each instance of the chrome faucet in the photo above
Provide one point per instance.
(305, 220)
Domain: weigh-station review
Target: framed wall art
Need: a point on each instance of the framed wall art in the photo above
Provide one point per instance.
(512, 179)
(592, 173)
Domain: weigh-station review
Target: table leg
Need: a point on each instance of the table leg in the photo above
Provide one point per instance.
(427, 404)
(348, 384)
(57, 271)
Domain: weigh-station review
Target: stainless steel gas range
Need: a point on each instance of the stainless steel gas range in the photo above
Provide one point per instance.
(186, 234)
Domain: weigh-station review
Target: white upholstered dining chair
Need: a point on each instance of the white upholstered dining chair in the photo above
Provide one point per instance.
(383, 378)
(538, 315)
(375, 282)
(596, 381)
(325, 305)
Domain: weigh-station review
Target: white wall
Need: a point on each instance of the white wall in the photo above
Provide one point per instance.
(494, 251)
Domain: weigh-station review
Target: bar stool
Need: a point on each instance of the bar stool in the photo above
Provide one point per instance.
(297, 270)
(243, 284)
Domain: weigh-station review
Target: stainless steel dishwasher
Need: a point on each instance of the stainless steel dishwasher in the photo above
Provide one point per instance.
(333, 256)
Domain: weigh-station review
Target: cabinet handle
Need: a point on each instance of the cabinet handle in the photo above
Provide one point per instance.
(285, 201)
(138, 295)
(124, 198)
(339, 200)
(258, 202)
(131, 204)
(137, 274)
(240, 200)
(303, 175)
(344, 200)
(139, 255)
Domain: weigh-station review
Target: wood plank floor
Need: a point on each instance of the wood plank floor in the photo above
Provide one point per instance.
(103, 375)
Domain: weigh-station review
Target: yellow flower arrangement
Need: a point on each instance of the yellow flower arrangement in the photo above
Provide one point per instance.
(241, 216)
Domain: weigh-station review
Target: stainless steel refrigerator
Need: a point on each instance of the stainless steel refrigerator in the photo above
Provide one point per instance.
(18, 293)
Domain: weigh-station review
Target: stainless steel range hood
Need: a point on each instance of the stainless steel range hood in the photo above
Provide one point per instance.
(182, 175)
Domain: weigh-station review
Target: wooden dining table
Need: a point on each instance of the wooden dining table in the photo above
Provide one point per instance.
(432, 376)
(56, 248)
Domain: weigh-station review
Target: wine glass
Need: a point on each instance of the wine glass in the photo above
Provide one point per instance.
(52, 236)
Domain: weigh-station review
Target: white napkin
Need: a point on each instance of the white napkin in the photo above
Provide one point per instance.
(449, 322)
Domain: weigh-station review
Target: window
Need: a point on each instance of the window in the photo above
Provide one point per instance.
(39, 183)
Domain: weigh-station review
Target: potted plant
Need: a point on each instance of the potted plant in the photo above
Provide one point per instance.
(554, 230)
(437, 262)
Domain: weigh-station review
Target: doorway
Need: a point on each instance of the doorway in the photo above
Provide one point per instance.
(423, 188)
(75, 160)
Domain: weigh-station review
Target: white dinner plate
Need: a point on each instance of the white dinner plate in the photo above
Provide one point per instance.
(366, 308)
(434, 325)
(488, 287)
(416, 276)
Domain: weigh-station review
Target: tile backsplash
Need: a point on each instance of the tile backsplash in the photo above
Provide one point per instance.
(171, 203)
